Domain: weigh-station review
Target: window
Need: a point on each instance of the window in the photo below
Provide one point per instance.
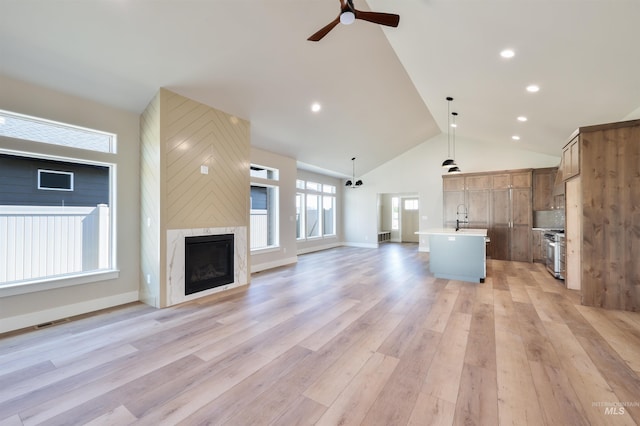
(55, 181)
(315, 210)
(313, 216)
(395, 213)
(411, 204)
(263, 172)
(264, 232)
(20, 126)
(300, 215)
(56, 213)
(328, 216)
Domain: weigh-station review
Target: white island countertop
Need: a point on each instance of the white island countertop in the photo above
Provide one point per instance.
(453, 232)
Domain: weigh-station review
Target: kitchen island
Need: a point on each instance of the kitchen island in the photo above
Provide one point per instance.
(458, 255)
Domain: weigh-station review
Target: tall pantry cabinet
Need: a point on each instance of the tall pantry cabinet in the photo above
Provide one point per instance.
(601, 169)
(497, 201)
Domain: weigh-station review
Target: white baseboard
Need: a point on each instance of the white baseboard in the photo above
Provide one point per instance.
(361, 245)
(34, 318)
(311, 249)
(276, 263)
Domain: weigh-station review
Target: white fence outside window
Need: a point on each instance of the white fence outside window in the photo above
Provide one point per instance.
(259, 229)
(45, 241)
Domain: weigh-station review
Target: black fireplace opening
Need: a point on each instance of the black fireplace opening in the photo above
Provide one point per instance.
(208, 262)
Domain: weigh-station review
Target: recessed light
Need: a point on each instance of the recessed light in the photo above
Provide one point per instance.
(507, 53)
(522, 118)
(515, 137)
(316, 107)
(533, 88)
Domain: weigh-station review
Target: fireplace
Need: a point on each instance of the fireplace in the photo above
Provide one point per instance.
(209, 261)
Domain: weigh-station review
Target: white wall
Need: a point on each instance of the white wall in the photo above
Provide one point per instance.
(418, 170)
(18, 311)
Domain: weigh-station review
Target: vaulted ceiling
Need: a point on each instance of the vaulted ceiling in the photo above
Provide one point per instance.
(382, 90)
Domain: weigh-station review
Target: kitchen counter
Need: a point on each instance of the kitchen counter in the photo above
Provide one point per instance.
(457, 255)
(452, 231)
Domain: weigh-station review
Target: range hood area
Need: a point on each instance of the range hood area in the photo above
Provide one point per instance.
(558, 183)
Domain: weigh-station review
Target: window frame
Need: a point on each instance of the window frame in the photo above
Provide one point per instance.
(48, 188)
(83, 155)
(311, 188)
(271, 182)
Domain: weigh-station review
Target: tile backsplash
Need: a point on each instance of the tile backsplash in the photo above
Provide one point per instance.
(548, 219)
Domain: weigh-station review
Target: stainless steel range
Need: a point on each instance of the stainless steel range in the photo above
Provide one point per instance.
(555, 250)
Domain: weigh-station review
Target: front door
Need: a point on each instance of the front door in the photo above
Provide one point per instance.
(409, 220)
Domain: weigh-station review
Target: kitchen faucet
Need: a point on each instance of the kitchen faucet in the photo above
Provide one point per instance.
(463, 213)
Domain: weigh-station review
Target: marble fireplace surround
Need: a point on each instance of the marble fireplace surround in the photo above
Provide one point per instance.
(176, 261)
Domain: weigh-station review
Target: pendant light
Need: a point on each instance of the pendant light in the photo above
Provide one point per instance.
(454, 170)
(353, 183)
(449, 162)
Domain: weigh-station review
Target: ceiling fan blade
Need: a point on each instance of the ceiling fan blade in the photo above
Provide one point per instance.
(388, 19)
(324, 30)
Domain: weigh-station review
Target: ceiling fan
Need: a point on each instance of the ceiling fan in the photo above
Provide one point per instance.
(348, 14)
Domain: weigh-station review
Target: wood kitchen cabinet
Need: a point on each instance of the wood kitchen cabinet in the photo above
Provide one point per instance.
(538, 251)
(571, 159)
(543, 182)
(497, 201)
(466, 198)
(511, 216)
(602, 204)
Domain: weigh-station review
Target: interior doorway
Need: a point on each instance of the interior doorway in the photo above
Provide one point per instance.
(398, 215)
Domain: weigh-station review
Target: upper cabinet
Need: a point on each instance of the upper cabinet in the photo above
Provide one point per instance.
(571, 158)
(453, 183)
(543, 189)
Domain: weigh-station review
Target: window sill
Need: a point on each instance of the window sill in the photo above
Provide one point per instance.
(265, 250)
(32, 286)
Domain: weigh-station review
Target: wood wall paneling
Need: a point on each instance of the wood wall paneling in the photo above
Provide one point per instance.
(606, 207)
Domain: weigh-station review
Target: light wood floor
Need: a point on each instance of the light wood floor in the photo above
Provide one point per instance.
(346, 336)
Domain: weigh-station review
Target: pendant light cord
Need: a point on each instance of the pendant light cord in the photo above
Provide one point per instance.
(449, 99)
(353, 169)
(454, 134)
